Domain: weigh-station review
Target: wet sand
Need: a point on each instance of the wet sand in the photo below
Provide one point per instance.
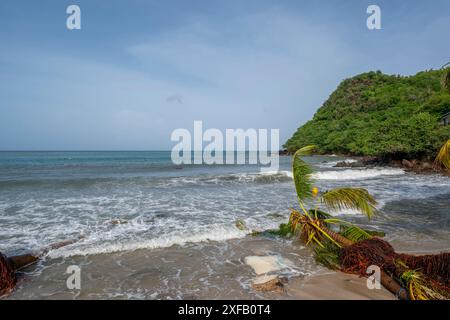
(208, 270)
(335, 285)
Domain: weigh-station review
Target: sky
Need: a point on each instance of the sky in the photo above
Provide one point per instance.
(137, 70)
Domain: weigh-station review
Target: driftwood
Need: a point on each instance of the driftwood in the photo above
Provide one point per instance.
(10, 265)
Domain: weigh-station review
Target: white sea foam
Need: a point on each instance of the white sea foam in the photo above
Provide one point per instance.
(356, 174)
(285, 173)
(347, 174)
(94, 246)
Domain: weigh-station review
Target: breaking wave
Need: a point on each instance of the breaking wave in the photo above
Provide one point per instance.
(102, 243)
(357, 174)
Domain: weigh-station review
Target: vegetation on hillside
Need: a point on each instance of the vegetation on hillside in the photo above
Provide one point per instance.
(381, 115)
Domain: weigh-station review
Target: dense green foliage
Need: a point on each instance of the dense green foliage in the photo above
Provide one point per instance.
(381, 115)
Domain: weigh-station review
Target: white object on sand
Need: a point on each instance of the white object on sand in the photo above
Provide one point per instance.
(266, 264)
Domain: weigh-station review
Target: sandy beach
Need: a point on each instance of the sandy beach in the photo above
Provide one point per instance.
(335, 285)
(209, 270)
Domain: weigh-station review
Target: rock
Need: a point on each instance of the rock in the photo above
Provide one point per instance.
(275, 215)
(118, 221)
(346, 164)
(408, 164)
(240, 224)
(342, 164)
(255, 233)
(268, 283)
(264, 279)
(369, 160)
(426, 166)
(265, 264)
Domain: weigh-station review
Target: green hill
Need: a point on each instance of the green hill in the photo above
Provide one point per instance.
(381, 115)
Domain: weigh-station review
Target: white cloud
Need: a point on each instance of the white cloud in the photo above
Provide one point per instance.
(264, 70)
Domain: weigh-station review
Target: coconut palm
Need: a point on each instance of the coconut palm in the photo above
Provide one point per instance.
(446, 77)
(315, 225)
(443, 156)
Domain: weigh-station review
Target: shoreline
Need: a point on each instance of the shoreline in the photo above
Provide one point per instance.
(333, 285)
(425, 167)
(208, 270)
(337, 285)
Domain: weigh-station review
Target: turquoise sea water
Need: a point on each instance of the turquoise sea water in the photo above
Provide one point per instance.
(127, 200)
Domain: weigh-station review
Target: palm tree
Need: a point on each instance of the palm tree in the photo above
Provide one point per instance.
(443, 157)
(446, 77)
(314, 226)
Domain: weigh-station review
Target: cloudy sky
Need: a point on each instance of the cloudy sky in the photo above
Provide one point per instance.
(139, 69)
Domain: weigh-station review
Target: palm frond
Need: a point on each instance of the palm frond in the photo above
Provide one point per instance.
(350, 198)
(328, 255)
(355, 234)
(302, 173)
(418, 288)
(319, 214)
(443, 157)
(446, 78)
(306, 151)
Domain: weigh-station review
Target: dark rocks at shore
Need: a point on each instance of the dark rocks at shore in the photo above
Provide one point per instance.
(410, 165)
(346, 164)
(418, 166)
(371, 161)
(270, 283)
(413, 165)
(359, 163)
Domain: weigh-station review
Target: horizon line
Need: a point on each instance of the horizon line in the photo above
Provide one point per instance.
(124, 150)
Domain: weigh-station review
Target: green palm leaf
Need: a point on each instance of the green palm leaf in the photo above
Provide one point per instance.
(328, 255)
(318, 214)
(306, 150)
(355, 234)
(350, 198)
(443, 157)
(302, 173)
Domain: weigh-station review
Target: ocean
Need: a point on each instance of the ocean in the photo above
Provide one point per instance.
(155, 230)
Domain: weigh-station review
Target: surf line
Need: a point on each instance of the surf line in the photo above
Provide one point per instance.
(189, 310)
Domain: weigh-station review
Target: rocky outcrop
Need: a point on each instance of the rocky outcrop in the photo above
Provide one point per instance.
(417, 166)
(410, 165)
(269, 283)
(266, 269)
(347, 164)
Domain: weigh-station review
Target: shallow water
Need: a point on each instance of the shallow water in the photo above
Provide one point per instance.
(155, 230)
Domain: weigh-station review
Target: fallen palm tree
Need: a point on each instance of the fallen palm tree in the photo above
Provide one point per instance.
(343, 246)
(9, 266)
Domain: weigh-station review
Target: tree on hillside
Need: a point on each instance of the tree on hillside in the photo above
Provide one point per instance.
(446, 77)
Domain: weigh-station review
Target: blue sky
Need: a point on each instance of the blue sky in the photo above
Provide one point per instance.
(137, 70)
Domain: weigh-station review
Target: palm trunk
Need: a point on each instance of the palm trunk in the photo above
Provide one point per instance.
(343, 241)
(387, 281)
(10, 265)
(22, 261)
